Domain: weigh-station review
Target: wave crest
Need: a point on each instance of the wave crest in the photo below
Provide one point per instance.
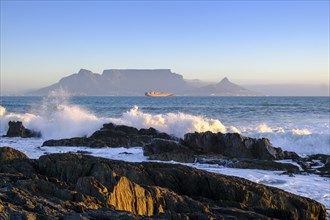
(301, 131)
(177, 124)
(2, 111)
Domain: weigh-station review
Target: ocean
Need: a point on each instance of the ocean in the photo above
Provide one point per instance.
(299, 124)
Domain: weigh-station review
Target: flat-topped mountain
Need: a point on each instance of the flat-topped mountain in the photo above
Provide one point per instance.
(136, 82)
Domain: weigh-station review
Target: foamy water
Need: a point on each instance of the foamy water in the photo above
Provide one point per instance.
(57, 120)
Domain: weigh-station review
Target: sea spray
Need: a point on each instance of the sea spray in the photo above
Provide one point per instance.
(2, 111)
(56, 117)
(6, 116)
(177, 124)
(301, 140)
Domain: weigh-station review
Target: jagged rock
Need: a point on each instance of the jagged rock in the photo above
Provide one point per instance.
(320, 161)
(111, 135)
(247, 163)
(78, 141)
(291, 155)
(16, 129)
(232, 145)
(8, 153)
(160, 149)
(75, 186)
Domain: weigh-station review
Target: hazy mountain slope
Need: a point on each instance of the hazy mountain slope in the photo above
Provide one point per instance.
(225, 88)
(118, 82)
(137, 82)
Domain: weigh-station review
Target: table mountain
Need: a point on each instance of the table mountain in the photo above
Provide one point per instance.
(136, 82)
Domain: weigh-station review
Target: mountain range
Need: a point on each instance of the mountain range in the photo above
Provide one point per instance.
(131, 82)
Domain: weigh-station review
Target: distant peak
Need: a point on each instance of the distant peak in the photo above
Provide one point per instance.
(224, 80)
(84, 71)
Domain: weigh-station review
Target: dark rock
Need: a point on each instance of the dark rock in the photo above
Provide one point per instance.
(325, 169)
(246, 163)
(16, 129)
(232, 145)
(126, 153)
(75, 186)
(160, 149)
(264, 165)
(291, 155)
(188, 190)
(8, 153)
(83, 141)
(321, 157)
(83, 152)
(111, 135)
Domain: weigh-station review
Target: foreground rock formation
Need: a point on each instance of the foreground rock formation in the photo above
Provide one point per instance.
(16, 129)
(74, 186)
(111, 135)
(229, 150)
(235, 151)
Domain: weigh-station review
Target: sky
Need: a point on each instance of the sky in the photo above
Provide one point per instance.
(250, 42)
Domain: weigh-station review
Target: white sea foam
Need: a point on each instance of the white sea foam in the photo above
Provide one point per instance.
(177, 124)
(264, 128)
(2, 111)
(66, 122)
(301, 131)
(57, 118)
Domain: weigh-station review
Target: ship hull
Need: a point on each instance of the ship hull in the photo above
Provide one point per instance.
(158, 94)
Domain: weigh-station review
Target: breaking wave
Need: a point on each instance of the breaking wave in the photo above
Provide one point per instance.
(64, 121)
(177, 124)
(56, 118)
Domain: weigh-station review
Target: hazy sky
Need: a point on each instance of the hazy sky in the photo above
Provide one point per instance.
(250, 42)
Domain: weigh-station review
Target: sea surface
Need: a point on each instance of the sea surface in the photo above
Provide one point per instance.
(299, 124)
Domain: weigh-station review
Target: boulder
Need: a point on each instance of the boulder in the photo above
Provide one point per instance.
(231, 145)
(78, 141)
(75, 186)
(8, 153)
(178, 189)
(111, 135)
(16, 129)
(160, 149)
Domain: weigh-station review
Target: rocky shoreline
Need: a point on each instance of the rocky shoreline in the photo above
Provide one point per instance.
(78, 186)
(230, 150)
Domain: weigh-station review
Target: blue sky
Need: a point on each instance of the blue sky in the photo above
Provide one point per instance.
(250, 42)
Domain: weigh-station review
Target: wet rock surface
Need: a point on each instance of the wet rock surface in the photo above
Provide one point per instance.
(8, 153)
(76, 186)
(236, 151)
(111, 135)
(232, 145)
(229, 150)
(16, 129)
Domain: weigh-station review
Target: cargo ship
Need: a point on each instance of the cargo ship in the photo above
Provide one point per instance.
(153, 93)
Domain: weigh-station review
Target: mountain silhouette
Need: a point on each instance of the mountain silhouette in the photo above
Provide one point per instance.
(132, 82)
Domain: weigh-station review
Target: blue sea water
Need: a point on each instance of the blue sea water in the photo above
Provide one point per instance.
(299, 124)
